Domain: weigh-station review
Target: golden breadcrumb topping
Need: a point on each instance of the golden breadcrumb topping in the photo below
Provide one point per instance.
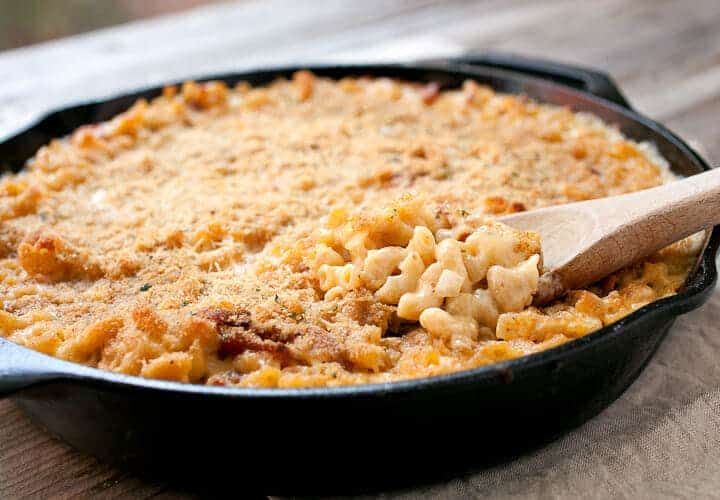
(311, 232)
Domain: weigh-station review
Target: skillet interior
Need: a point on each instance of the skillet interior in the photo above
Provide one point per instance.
(15, 151)
(146, 422)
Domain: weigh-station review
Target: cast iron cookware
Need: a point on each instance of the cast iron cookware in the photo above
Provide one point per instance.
(354, 437)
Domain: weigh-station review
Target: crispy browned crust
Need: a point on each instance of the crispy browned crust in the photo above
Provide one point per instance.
(177, 240)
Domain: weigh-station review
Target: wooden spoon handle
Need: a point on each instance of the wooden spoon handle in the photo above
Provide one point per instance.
(589, 240)
(638, 224)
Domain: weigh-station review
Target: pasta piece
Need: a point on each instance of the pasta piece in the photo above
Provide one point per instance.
(411, 268)
(496, 245)
(344, 277)
(423, 243)
(442, 285)
(440, 323)
(449, 255)
(479, 305)
(324, 255)
(450, 284)
(380, 264)
(412, 304)
(513, 289)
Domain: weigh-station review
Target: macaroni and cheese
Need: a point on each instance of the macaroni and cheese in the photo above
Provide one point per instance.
(311, 232)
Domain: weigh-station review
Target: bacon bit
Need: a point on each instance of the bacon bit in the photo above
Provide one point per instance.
(430, 92)
(224, 317)
(238, 333)
(517, 206)
(240, 341)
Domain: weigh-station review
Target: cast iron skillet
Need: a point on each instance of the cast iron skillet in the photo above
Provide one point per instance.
(356, 437)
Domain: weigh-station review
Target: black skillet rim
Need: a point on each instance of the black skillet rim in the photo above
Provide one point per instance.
(699, 283)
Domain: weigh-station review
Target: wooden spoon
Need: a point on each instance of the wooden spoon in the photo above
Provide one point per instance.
(585, 241)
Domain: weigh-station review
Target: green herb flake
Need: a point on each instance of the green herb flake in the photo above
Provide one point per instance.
(145, 287)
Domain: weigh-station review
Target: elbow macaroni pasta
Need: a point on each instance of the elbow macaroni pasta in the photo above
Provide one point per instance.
(454, 288)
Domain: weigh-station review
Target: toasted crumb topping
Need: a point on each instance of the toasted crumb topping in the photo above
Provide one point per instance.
(311, 233)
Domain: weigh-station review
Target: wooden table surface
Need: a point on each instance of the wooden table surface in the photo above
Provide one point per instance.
(664, 53)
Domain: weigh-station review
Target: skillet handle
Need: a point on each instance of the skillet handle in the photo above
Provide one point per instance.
(20, 368)
(585, 79)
